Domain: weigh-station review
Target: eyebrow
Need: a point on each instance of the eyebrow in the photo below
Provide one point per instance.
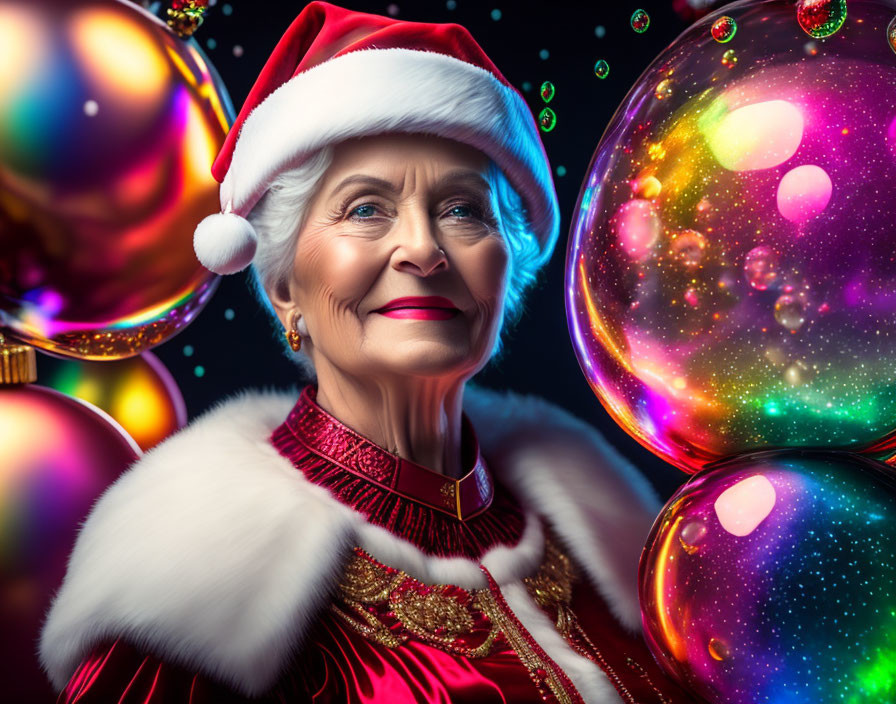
(458, 176)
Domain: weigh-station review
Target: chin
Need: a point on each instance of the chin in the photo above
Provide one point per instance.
(429, 358)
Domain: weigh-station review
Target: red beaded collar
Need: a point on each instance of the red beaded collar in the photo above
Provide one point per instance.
(328, 438)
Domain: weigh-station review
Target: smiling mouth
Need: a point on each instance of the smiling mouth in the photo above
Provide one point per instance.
(419, 313)
(420, 308)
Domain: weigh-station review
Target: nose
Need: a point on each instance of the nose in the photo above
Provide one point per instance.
(417, 249)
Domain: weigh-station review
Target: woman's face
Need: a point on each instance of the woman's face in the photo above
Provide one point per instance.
(399, 268)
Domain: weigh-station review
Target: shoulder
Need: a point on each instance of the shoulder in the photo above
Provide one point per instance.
(597, 502)
(165, 553)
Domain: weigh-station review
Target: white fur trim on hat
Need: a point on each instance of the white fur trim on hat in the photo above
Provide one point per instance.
(377, 91)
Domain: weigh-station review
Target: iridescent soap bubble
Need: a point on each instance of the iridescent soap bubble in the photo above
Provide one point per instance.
(723, 29)
(772, 579)
(109, 124)
(761, 267)
(601, 69)
(547, 120)
(640, 21)
(547, 91)
(786, 167)
(821, 18)
(891, 34)
(790, 311)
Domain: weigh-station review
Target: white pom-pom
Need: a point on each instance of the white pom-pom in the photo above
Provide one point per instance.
(225, 243)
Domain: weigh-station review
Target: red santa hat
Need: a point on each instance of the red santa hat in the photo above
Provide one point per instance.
(338, 74)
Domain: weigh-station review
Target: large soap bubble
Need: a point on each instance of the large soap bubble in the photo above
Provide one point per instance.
(731, 271)
(772, 579)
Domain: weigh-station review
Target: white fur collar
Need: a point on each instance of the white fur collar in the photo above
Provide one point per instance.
(215, 552)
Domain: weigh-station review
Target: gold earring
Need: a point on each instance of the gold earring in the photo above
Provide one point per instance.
(294, 339)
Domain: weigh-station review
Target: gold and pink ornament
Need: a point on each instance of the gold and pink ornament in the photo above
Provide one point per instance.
(138, 392)
(57, 455)
(109, 124)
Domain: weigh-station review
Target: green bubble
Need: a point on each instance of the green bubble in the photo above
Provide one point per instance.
(601, 69)
(547, 120)
(640, 21)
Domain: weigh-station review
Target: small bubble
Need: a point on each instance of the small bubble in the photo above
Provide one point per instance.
(729, 58)
(392, 10)
(544, 54)
(798, 373)
(891, 34)
(600, 31)
(547, 120)
(688, 247)
(601, 69)
(547, 91)
(718, 650)
(561, 170)
(496, 14)
(199, 370)
(761, 267)
(724, 29)
(229, 314)
(188, 350)
(211, 43)
(212, 3)
(226, 9)
(237, 51)
(640, 21)
(692, 535)
(811, 48)
(790, 311)
(451, 4)
(664, 89)
(527, 86)
(821, 18)
(91, 108)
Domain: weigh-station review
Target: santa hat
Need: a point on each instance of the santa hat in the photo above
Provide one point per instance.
(338, 74)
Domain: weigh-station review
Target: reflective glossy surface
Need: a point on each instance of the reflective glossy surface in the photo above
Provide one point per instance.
(772, 580)
(108, 127)
(730, 270)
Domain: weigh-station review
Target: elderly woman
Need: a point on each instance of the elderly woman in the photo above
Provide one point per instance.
(392, 536)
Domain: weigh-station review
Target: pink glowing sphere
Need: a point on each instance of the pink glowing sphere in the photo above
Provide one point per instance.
(59, 454)
(730, 269)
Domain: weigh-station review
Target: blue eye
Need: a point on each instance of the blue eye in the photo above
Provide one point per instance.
(461, 211)
(364, 211)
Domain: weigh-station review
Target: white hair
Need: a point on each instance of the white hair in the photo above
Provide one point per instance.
(280, 215)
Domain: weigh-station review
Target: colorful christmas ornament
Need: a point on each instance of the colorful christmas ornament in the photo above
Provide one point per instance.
(745, 300)
(58, 455)
(108, 127)
(138, 392)
(772, 578)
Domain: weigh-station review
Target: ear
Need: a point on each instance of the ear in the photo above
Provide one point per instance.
(284, 305)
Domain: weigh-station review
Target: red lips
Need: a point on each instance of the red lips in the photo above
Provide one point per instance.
(419, 308)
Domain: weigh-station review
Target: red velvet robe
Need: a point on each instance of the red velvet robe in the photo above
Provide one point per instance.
(387, 637)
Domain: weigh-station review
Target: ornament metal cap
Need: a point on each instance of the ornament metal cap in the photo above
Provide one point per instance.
(18, 363)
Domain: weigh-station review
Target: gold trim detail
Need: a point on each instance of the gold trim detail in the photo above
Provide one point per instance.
(387, 606)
